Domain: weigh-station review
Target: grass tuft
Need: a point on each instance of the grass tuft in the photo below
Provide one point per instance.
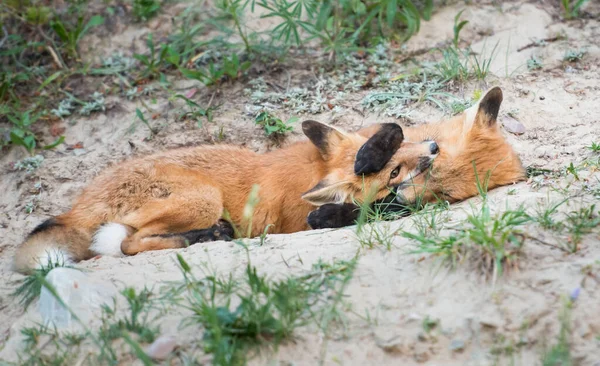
(30, 287)
(258, 312)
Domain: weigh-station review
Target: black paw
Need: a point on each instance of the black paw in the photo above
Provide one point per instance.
(333, 215)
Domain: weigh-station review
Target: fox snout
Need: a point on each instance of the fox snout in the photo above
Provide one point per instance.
(429, 151)
(425, 162)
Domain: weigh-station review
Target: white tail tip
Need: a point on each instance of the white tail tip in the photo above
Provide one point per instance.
(107, 240)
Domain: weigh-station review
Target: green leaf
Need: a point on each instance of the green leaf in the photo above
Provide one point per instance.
(58, 141)
(193, 74)
(184, 265)
(95, 21)
(142, 58)
(392, 7)
(137, 349)
(427, 9)
(29, 142)
(16, 139)
(50, 79)
(60, 30)
(140, 115)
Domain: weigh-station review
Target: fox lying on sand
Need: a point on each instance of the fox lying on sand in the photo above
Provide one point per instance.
(173, 198)
(471, 139)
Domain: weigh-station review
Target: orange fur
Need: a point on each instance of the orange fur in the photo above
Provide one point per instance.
(471, 137)
(191, 188)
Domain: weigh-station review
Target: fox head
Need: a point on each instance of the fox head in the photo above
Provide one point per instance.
(361, 168)
(472, 150)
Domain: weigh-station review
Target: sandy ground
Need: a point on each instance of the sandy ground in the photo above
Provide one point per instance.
(558, 105)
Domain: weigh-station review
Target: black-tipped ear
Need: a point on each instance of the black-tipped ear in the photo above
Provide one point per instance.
(317, 133)
(379, 149)
(489, 106)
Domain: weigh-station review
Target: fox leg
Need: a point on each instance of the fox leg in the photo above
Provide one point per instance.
(175, 221)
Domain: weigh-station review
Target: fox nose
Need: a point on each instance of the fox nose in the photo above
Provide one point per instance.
(434, 148)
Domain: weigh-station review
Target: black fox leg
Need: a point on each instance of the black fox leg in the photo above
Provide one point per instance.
(333, 215)
(221, 231)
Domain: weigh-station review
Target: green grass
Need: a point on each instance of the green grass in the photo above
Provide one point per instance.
(145, 9)
(574, 55)
(578, 223)
(30, 287)
(571, 8)
(481, 64)
(534, 63)
(40, 54)
(594, 147)
(59, 347)
(273, 125)
(560, 353)
(454, 65)
(545, 216)
(492, 243)
(259, 312)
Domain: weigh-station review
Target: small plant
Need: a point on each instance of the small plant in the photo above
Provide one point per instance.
(71, 35)
(573, 170)
(460, 106)
(481, 65)
(571, 8)
(30, 287)
(491, 242)
(458, 26)
(545, 216)
(574, 55)
(560, 353)
(137, 321)
(429, 324)
(145, 9)
(195, 111)
(273, 125)
(20, 132)
(595, 147)
(154, 62)
(534, 63)
(581, 222)
(30, 164)
(453, 66)
(266, 312)
(95, 105)
(140, 115)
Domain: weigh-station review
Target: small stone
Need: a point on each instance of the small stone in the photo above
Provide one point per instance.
(162, 347)
(82, 295)
(394, 345)
(542, 97)
(79, 152)
(513, 126)
(422, 353)
(457, 345)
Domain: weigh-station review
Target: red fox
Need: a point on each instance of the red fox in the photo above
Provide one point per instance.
(173, 198)
(471, 139)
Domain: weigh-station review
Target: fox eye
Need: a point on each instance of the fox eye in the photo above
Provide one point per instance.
(395, 172)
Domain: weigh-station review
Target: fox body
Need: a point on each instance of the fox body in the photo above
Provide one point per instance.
(173, 198)
(472, 149)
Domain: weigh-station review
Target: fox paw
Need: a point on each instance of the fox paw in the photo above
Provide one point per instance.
(333, 215)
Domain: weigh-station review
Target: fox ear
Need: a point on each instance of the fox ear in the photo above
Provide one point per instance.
(485, 112)
(325, 192)
(379, 149)
(321, 135)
